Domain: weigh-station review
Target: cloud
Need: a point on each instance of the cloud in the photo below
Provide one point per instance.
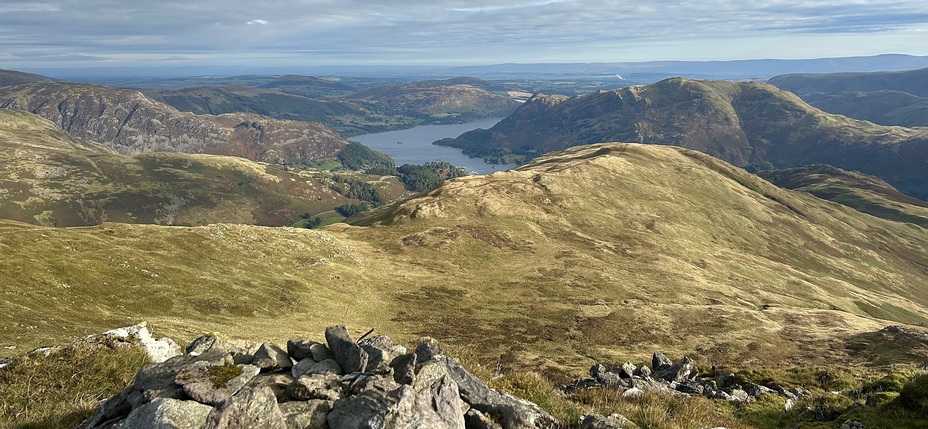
(460, 31)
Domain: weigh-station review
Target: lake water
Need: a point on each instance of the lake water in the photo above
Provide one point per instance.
(417, 147)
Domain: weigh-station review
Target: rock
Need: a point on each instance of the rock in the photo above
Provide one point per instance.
(691, 387)
(278, 383)
(157, 380)
(300, 349)
(381, 351)
(214, 382)
(432, 401)
(515, 413)
(738, 395)
(852, 424)
(427, 350)
(306, 414)
(644, 371)
(158, 350)
(321, 352)
(615, 421)
(613, 380)
(660, 362)
(350, 356)
(316, 386)
(726, 381)
(757, 390)
(404, 368)
(249, 408)
(111, 409)
(309, 367)
(165, 413)
(634, 392)
(596, 370)
(627, 370)
(211, 342)
(302, 367)
(271, 358)
(677, 372)
(474, 419)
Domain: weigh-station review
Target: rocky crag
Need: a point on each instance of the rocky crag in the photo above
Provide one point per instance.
(132, 123)
(338, 383)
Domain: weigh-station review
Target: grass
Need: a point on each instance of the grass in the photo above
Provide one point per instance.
(64, 388)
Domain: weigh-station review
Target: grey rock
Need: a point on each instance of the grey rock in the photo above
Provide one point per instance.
(157, 380)
(660, 362)
(309, 367)
(158, 350)
(381, 351)
(677, 372)
(691, 387)
(474, 419)
(738, 395)
(249, 408)
(111, 409)
(300, 349)
(302, 367)
(626, 370)
(853, 424)
(350, 356)
(315, 386)
(615, 421)
(427, 350)
(165, 413)
(613, 380)
(199, 382)
(306, 414)
(321, 352)
(210, 342)
(644, 371)
(404, 368)
(726, 381)
(634, 392)
(757, 390)
(514, 413)
(271, 358)
(277, 382)
(596, 370)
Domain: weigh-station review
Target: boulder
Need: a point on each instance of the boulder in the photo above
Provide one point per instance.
(157, 380)
(315, 386)
(212, 342)
(404, 368)
(277, 382)
(249, 408)
(300, 349)
(309, 367)
(381, 351)
(427, 350)
(626, 370)
(350, 356)
(513, 412)
(165, 413)
(677, 372)
(660, 362)
(306, 414)
(214, 382)
(615, 421)
(158, 350)
(111, 409)
(271, 358)
(474, 419)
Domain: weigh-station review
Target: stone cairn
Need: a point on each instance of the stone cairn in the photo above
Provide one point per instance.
(338, 384)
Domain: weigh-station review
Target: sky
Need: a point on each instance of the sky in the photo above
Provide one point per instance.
(102, 33)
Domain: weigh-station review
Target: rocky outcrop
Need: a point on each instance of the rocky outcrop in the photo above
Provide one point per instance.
(680, 378)
(132, 123)
(373, 383)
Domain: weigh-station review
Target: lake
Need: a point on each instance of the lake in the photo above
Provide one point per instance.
(417, 147)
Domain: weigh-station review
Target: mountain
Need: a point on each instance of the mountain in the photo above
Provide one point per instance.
(867, 194)
(740, 122)
(132, 123)
(345, 117)
(910, 81)
(12, 77)
(453, 100)
(597, 253)
(50, 178)
(310, 86)
(884, 107)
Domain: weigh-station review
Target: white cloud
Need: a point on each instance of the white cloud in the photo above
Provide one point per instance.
(257, 21)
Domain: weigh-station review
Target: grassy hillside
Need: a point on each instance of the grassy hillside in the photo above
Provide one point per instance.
(910, 81)
(599, 253)
(444, 101)
(742, 123)
(12, 77)
(50, 178)
(864, 193)
(880, 107)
